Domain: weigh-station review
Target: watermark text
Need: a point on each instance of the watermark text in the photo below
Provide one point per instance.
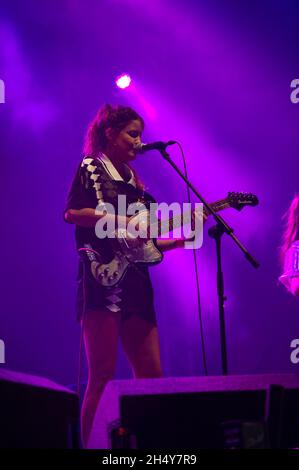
(138, 220)
(294, 357)
(2, 92)
(2, 352)
(294, 96)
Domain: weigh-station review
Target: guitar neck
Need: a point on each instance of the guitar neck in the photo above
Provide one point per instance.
(217, 206)
(169, 225)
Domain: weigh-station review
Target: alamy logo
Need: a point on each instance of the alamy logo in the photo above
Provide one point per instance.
(295, 353)
(2, 352)
(295, 93)
(144, 223)
(2, 92)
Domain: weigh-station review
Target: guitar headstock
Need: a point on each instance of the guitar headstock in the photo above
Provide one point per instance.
(240, 200)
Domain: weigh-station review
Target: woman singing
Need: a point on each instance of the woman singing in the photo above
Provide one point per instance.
(126, 311)
(290, 248)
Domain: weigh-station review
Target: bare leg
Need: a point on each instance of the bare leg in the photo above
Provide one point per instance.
(140, 341)
(101, 332)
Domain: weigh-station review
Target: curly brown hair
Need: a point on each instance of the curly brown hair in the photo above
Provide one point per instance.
(109, 117)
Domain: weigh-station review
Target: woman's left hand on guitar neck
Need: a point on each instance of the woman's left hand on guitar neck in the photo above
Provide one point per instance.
(173, 243)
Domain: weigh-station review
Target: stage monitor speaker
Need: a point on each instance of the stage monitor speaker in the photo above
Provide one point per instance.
(36, 413)
(259, 411)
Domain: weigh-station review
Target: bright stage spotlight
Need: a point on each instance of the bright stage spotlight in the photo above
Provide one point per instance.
(123, 81)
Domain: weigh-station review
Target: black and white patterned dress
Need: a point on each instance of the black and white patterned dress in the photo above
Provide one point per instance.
(97, 182)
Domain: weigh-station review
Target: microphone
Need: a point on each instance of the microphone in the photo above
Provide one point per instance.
(141, 148)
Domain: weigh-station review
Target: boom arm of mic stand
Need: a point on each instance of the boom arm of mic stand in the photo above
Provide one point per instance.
(226, 228)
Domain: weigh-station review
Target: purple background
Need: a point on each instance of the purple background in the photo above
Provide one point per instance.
(216, 76)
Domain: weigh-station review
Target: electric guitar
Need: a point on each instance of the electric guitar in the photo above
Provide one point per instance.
(130, 250)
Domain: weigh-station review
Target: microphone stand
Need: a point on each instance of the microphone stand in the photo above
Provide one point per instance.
(215, 232)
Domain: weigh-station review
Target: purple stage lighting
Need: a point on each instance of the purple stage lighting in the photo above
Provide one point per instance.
(123, 81)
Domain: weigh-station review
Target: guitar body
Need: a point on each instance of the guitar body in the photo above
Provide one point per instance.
(137, 250)
(128, 251)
